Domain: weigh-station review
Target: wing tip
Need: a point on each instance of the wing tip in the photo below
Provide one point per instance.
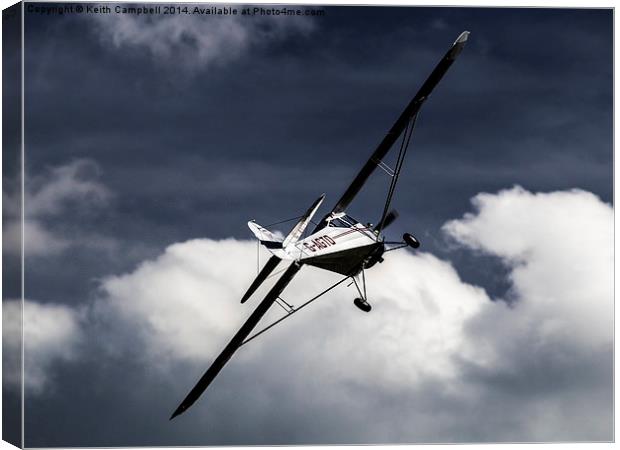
(462, 38)
(177, 412)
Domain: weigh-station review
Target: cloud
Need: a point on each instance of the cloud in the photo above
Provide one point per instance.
(184, 306)
(559, 247)
(433, 344)
(51, 333)
(181, 304)
(63, 187)
(437, 359)
(63, 190)
(551, 344)
(197, 41)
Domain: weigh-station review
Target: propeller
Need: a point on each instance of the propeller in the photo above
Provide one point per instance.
(387, 220)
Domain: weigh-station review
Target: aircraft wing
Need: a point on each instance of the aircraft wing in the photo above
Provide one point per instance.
(237, 340)
(271, 264)
(410, 111)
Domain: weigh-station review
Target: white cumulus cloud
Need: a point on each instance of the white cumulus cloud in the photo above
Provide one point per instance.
(434, 345)
(559, 247)
(437, 359)
(185, 301)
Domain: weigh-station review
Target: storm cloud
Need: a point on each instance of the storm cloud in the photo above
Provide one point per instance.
(71, 188)
(180, 40)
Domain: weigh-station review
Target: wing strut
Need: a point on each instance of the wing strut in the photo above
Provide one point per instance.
(237, 340)
(399, 164)
(401, 123)
(293, 311)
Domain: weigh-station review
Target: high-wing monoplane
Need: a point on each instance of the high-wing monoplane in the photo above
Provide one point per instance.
(338, 243)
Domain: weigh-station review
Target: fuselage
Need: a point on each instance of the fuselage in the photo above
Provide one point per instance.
(339, 244)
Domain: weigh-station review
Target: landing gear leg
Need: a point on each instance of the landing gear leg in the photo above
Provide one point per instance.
(362, 301)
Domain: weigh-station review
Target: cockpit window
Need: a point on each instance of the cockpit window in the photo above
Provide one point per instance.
(343, 222)
(350, 220)
(339, 223)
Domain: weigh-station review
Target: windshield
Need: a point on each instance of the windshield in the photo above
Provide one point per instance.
(343, 222)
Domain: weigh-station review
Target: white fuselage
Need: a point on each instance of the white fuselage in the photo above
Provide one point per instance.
(333, 240)
(341, 233)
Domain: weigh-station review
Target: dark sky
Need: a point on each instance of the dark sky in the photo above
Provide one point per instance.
(192, 145)
(529, 103)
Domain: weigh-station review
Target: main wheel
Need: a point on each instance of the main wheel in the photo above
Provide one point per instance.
(411, 240)
(362, 304)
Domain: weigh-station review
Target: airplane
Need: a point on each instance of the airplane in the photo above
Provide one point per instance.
(338, 243)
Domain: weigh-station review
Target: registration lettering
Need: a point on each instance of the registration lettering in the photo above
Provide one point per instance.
(319, 243)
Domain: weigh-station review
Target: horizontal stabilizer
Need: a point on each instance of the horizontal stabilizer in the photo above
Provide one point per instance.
(266, 237)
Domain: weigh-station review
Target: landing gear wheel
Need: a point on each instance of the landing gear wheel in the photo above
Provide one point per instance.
(362, 304)
(411, 240)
